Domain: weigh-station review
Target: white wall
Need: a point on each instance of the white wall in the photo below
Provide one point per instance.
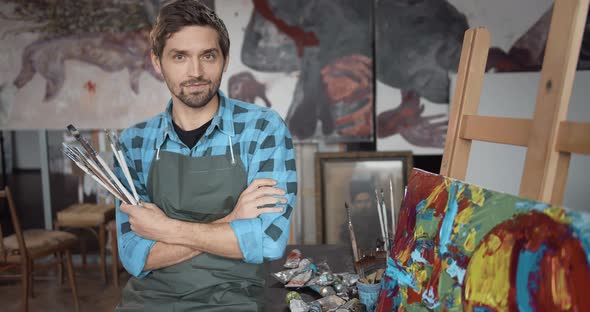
(499, 167)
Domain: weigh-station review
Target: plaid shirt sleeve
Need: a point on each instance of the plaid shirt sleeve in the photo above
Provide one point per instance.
(133, 249)
(266, 237)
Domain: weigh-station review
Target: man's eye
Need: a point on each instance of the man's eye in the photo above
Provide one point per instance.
(179, 57)
(209, 57)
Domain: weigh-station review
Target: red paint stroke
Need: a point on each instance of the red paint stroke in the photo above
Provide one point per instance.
(302, 39)
(563, 264)
(564, 252)
(90, 87)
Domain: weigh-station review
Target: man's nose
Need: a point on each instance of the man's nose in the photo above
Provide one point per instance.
(195, 68)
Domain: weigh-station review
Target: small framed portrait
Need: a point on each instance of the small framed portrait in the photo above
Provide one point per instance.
(353, 178)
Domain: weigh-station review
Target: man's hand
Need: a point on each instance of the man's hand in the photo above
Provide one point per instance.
(149, 221)
(259, 193)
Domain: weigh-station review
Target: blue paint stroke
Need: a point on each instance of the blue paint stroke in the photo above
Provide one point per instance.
(429, 299)
(447, 225)
(482, 309)
(456, 271)
(417, 256)
(531, 205)
(399, 276)
(421, 205)
(427, 215)
(581, 227)
(527, 278)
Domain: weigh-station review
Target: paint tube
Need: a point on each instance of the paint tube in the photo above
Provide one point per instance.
(285, 276)
(329, 303)
(324, 279)
(298, 305)
(293, 259)
(323, 267)
(299, 280)
(348, 279)
(353, 305)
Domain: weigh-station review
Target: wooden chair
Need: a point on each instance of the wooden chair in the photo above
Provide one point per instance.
(24, 247)
(89, 217)
(116, 266)
(549, 137)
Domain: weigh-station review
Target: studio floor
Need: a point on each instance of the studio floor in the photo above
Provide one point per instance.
(49, 295)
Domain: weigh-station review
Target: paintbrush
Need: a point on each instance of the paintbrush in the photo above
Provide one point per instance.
(88, 166)
(371, 264)
(71, 154)
(121, 160)
(101, 164)
(355, 252)
(392, 202)
(380, 218)
(385, 222)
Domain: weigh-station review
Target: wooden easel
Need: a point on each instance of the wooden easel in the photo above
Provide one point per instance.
(549, 137)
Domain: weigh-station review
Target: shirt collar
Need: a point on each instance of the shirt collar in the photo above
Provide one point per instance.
(223, 120)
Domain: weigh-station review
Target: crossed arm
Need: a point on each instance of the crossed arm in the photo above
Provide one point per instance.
(177, 241)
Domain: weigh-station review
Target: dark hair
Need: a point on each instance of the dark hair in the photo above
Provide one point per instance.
(177, 14)
(358, 186)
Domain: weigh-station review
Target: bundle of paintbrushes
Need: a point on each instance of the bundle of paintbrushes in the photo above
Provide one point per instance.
(382, 212)
(370, 268)
(94, 165)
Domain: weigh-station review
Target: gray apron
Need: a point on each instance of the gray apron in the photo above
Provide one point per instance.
(202, 190)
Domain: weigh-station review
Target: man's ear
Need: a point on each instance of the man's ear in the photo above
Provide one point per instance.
(156, 63)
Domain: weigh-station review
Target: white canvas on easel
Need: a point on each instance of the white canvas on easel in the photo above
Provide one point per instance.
(498, 166)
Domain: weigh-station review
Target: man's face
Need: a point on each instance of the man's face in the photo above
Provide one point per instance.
(362, 202)
(192, 65)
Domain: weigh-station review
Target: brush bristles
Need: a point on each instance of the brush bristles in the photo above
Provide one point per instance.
(73, 131)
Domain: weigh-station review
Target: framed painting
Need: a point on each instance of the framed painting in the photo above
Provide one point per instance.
(353, 178)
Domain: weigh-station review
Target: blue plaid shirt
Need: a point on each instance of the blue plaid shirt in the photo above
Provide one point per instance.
(262, 140)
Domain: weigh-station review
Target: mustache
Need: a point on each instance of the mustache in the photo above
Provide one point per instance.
(194, 81)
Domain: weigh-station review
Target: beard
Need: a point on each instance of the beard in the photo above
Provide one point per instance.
(195, 99)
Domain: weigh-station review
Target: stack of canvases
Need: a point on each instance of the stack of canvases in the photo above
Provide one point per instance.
(462, 247)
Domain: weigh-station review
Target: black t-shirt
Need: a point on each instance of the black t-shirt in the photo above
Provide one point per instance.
(191, 137)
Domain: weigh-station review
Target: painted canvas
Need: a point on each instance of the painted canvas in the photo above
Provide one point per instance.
(317, 72)
(462, 247)
(81, 62)
(418, 44)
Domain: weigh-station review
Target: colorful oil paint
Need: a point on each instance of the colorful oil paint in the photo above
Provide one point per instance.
(462, 247)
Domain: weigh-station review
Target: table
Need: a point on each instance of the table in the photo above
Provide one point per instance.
(339, 259)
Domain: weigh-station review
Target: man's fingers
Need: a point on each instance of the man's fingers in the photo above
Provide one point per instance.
(267, 191)
(270, 210)
(149, 206)
(263, 201)
(259, 183)
(125, 208)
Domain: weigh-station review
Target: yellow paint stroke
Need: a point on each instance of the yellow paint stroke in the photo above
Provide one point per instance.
(444, 265)
(404, 292)
(477, 195)
(469, 244)
(435, 193)
(464, 217)
(559, 289)
(487, 280)
(460, 191)
(558, 215)
(457, 300)
(420, 273)
(419, 232)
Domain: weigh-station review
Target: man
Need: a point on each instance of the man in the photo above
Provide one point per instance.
(217, 177)
(363, 210)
